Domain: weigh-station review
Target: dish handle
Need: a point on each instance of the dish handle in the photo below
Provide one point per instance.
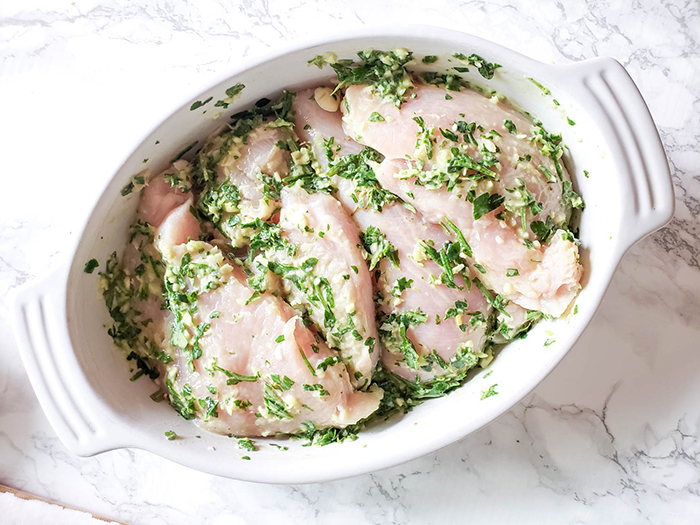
(82, 422)
(635, 143)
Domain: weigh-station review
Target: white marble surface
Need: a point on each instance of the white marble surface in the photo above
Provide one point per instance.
(610, 437)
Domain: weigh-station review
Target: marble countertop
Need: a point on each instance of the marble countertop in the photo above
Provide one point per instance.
(612, 436)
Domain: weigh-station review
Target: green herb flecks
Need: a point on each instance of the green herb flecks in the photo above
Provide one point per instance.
(233, 377)
(486, 203)
(322, 392)
(570, 198)
(393, 334)
(425, 142)
(450, 259)
(486, 69)
(459, 308)
(181, 400)
(385, 71)
(247, 444)
(464, 245)
(551, 146)
(122, 290)
(359, 168)
(231, 93)
(325, 436)
(198, 104)
(542, 229)
(450, 81)
(283, 383)
(91, 265)
(401, 285)
(375, 117)
(378, 247)
(274, 403)
(520, 200)
(499, 302)
(543, 89)
(489, 392)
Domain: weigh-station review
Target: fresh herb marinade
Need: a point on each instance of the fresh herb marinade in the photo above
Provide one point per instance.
(462, 159)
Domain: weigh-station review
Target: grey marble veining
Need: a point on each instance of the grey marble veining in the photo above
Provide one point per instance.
(611, 436)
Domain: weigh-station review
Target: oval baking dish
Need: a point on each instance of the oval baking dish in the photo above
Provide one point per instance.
(83, 383)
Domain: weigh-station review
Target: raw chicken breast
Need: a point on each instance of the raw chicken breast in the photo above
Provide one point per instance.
(168, 209)
(242, 186)
(178, 227)
(261, 371)
(159, 198)
(529, 194)
(316, 126)
(322, 231)
(542, 277)
(457, 340)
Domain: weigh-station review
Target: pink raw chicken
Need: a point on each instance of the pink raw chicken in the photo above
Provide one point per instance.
(316, 126)
(262, 338)
(548, 276)
(258, 156)
(320, 228)
(266, 342)
(167, 209)
(250, 166)
(404, 230)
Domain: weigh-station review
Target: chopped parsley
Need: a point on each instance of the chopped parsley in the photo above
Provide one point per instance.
(486, 69)
(401, 285)
(486, 203)
(393, 334)
(322, 392)
(199, 104)
(326, 436)
(499, 302)
(378, 247)
(425, 141)
(359, 169)
(327, 362)
(451, 82)
(274, 403)
(376, 117)
(230, 94)
(281, 384)
(570, 198)
(385, 71)
(543, 89)
(541, 229)
(233, 377)
(247, 444)
(459, 308)
(490, 391)
(91, 265)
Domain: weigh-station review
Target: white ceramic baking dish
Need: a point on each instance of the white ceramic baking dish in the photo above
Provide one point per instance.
(82, 381)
